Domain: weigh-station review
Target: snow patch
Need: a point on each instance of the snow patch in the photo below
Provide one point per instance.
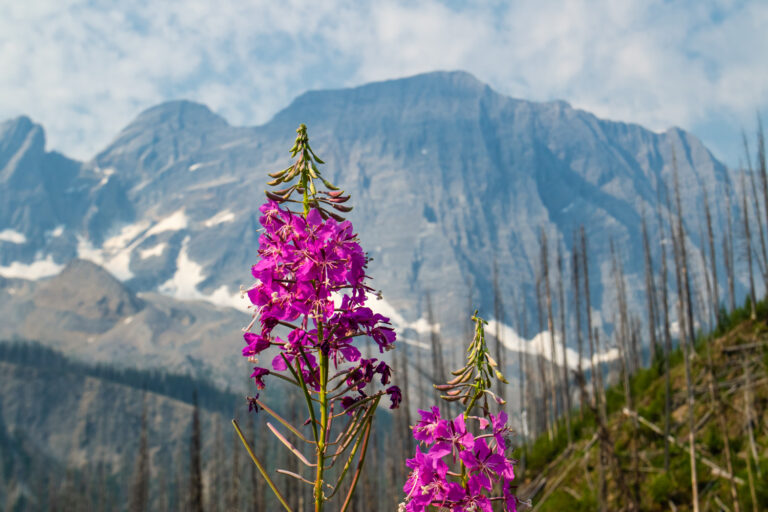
(220, 218)
(128, 320)
(117, 260)
(157, 250)
(14, 237)
(35, 270)
(58, 231)
(381, 306)
(541, 344)
(189, 274)
(194, 167)
(107, 173)
(127, 235)
(115, 254)
(225, 180)
(222, 297)
(174, 222)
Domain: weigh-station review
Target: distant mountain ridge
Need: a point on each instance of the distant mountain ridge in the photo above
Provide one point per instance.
(447, 177)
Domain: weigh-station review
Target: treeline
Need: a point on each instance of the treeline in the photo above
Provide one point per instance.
(176, 386)
(202, 466)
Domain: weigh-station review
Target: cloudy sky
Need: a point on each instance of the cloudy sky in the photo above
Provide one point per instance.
(84, 69)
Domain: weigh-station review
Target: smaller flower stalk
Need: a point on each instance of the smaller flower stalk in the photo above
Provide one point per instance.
(460, 470)
(309, 303)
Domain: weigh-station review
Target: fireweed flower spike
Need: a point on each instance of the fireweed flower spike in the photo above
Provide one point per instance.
(458, 471)
(309, 303)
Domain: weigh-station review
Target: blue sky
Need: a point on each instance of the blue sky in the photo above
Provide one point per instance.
(84, 69)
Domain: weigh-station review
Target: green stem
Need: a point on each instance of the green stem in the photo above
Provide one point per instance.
(318, 493)
(260, 467)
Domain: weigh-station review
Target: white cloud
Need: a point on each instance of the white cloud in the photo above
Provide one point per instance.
(85, 70)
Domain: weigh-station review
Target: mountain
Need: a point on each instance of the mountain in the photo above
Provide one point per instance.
(448, 177)
(91, 316)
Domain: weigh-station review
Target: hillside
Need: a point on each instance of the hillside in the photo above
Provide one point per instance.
(558, 478)
(70, 432)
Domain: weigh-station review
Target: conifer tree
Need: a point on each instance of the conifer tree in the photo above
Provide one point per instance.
(195, 489)
(139, 499)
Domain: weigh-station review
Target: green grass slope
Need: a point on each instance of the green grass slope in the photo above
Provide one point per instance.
(557, 478)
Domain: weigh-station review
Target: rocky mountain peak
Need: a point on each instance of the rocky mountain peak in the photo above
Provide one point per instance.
(20, 139)
(178, 115)
(89, 291)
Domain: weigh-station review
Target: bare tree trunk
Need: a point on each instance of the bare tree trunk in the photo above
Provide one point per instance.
(686, 341)
(650, 292)
(596, 409)
(710, 312)
(585, 263)
(561, 307)
(139, 499)
(519, 309)
(761, 263)
(438, 366)
(750, 432)
(712, 256)
(761, 164)
(498, 312)
(719, 408)
(667, 334)
(728, 253)
(579, 338)
(745, 216)
(216, 468)
(421, 393)
(543, 381)
(599, 417)
(625, 356)
(609, 454)
(554, 384)
(233, 496)
(195, 470)
(404, 412)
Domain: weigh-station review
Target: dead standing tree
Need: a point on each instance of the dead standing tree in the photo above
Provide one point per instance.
(542, 406)
(498, 312)
(623, 336)
(685, 315)
(712, 254)
(554, 384)
(667, 332)
(748, 248)
(580, 378)
(564, 359)
(728, 252)
(650, 292)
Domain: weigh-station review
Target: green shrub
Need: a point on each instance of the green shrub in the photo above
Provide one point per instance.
(662, 488)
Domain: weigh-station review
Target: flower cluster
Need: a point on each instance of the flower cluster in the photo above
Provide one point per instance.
(435, 479)
(311, 279)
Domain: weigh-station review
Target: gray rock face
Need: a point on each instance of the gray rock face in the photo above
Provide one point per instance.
(447, 177)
